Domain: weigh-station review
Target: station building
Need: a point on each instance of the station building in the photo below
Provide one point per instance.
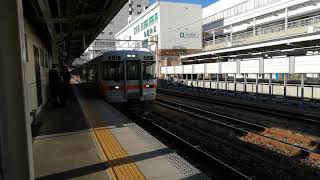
(257, 41)
(243, 22)
(171, 28)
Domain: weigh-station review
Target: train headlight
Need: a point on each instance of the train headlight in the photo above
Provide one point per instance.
(116, 87)
(149, 86)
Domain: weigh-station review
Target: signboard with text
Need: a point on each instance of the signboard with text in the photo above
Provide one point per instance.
(189, 35)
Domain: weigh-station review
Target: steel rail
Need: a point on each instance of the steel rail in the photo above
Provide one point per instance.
(276, 112)
(229, 171)
(234, 126)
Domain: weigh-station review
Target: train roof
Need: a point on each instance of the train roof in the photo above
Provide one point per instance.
(116, 53)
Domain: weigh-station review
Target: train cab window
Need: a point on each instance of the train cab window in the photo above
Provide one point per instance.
(149, 69)
(133, 70)
(113, 70)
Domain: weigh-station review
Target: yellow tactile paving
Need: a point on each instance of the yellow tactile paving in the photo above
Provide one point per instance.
(114, 153)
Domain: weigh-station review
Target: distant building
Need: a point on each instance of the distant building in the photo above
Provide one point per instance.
(104, 41)
(175, 26)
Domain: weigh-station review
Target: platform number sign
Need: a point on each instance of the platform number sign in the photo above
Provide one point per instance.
(181, 34)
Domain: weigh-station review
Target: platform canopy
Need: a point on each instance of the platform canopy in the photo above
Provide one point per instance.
(70, 24)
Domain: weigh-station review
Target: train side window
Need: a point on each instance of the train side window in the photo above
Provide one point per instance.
(113, 70)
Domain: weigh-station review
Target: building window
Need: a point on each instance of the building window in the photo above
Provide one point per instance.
(151, 20)
(110, 33)
(138, 5)
(102, 33)
(142, 27)
(156, 17)
(130, 12)
(145, 24)
(139, 12)
(154, 29)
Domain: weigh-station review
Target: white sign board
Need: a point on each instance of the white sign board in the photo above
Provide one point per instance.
(170, 69)
(213, 68)
(163, 70)
(307, 64)
(178, 69)
(229, 67)
(198, 68)
(276, 65)
(187, 69)
(249, 67)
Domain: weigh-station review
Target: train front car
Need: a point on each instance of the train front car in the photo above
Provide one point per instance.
(129, 77)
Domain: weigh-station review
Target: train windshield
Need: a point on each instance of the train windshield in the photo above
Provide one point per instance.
(113, 70)
(149, 69)
(133, 70)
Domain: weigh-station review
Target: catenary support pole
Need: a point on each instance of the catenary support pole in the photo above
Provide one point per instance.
(245, 83)
(302, 87)
(285, 85)
(226, 82)
(235, 83)
(203, 78)
(257, 85)
(270, 81)
(217, 81)
(210, 79)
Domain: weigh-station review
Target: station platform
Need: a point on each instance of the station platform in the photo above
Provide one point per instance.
(108, 146)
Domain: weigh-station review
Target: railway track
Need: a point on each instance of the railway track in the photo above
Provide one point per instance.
(225, 171)
(310, 118)
(237, 125)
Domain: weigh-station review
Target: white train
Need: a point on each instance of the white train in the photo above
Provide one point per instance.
(124, 76)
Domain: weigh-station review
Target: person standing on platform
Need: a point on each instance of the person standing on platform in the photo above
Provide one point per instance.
(65, 84)
(54, 82)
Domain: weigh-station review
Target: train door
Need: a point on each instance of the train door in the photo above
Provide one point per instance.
(38, 74)
(134, 79)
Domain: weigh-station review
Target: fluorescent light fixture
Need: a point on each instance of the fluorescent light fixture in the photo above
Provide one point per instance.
(287, 50)
(116, 87)
(258, 53)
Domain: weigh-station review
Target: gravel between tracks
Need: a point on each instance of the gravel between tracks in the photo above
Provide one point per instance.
(254, 160)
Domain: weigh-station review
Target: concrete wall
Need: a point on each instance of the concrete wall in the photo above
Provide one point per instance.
(176, 21)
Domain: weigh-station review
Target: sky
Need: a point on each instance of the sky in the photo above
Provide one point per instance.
(203, 2)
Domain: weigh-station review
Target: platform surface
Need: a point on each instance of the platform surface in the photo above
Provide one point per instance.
(130, 151)
(64, 147)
